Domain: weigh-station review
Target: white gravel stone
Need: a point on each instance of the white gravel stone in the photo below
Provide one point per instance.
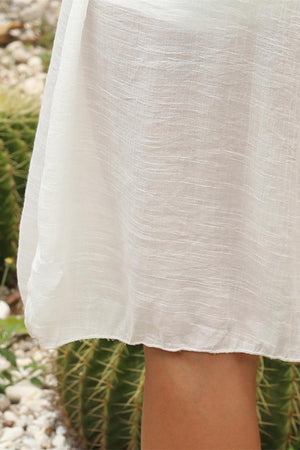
(28, 35)
(4, 363)
(59, 441)
(4, 403)
(23, 391)
(35, 63)
(9, 415)
(60, 430)
(33, 11)
(4, 309)
(38, 355)
(24, 361)
(22, 3)
(10, 434)
(32, 86)
(19, 352)
(7, 60)
(16, 32)
(51, 380)
(13, 46)
(20, 55)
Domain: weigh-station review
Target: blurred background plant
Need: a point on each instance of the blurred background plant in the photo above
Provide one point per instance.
(18, 121)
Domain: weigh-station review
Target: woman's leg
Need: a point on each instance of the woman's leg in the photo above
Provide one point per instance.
(199, 401)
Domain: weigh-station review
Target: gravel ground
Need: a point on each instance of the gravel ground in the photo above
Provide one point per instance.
(26, 27)
(30, 416)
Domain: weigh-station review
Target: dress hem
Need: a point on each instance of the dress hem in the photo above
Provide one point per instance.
(174, 348)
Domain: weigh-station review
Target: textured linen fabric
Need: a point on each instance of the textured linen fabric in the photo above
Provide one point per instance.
(162, 203)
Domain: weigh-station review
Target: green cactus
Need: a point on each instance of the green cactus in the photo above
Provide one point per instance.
(18, 122)
(100, 385)
(10, 210)
(281, 426)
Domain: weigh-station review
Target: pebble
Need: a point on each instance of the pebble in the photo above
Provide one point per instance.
(4, 310)
(4, 402)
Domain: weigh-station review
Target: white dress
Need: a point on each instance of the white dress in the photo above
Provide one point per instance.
(162, 203)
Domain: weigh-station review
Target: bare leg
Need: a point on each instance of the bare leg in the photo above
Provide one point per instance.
(199, 401)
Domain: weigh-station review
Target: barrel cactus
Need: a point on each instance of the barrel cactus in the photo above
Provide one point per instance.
(18, 122)
(100, 386)
(279, 404)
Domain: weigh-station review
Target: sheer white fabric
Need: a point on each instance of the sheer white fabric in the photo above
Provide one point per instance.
(162, 203)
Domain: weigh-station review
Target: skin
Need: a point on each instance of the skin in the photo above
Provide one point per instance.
(199, 401)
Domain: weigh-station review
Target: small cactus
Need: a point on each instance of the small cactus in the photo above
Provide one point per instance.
(100, 383)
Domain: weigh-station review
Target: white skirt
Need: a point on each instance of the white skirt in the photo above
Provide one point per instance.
(162, 203)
